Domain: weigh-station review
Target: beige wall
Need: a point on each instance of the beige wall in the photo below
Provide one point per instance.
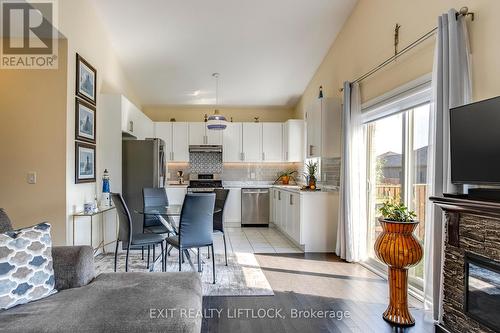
(367, 39)
(197, 113)
(33, 138)
(80, 23)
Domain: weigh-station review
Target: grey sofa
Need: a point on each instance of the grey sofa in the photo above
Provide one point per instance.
(110, 302)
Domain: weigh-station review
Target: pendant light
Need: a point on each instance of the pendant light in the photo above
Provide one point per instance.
(216, 121)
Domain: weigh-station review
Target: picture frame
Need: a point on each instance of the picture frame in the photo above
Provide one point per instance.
(85, 159)
(86, 80)
(85, 121)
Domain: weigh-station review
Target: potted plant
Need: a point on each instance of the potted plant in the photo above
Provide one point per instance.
(312, 169)
(285, 177)
(399, 249)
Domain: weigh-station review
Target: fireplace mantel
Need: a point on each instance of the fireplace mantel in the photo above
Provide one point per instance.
(472, 227)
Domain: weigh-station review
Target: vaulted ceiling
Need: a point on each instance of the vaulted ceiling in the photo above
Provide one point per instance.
(266, 51)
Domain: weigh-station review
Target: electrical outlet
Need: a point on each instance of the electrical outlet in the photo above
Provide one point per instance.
(168, 175)
(31, 178)
(252, 175)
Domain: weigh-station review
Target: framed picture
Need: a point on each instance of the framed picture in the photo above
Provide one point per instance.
(84, 163)
(86, 78)
(85, 121)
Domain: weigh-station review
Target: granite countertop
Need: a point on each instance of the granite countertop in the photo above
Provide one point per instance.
(264, 184)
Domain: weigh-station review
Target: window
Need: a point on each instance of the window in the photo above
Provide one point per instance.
(397, 150)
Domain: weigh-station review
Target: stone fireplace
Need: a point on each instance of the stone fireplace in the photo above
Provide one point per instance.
(471, 266)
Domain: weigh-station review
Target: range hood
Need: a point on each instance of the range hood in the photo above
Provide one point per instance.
(205, 149)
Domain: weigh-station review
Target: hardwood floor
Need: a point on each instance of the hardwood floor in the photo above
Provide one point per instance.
(351, 294)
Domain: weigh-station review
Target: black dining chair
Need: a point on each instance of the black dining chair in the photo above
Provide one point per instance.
(220, 203)
(153, 197)
(195, 226)
(128, 238)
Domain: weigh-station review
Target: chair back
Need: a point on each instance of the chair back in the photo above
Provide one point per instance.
(5, 224)
(196, 223)
(220, 203)
(124, 219)
(153, 197)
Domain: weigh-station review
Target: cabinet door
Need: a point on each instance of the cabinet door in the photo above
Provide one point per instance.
(284, 211)
(295, 217)
(252, 142)
(197, 134)
(180, 142)
(214, 137)
(294, 140)
(314, 129)
(163, 130)
(231, 141)
(278, 218)
(232, 210)
(272, 142)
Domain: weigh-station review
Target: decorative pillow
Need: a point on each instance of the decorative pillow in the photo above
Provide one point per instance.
(26, 271)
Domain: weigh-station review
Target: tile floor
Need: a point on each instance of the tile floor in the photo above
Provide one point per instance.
(254, 240)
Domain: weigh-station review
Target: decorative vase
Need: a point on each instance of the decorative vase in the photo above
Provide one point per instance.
(399, 249)
(285, 180)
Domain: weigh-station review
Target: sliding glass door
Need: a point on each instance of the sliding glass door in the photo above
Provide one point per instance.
(397, 170)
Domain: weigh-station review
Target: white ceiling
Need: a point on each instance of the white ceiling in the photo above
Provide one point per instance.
(266, 51)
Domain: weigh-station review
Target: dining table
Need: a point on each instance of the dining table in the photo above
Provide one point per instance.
(169, 216)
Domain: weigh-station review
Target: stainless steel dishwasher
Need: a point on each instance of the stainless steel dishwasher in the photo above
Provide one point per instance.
(255, 207)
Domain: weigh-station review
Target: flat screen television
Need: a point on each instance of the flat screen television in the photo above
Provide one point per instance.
(475, 143)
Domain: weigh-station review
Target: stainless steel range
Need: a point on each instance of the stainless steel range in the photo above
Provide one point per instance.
(206, 182)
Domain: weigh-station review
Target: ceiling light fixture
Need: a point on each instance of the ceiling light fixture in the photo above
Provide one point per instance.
(216, 121)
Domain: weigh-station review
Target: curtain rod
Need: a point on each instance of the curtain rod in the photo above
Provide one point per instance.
(464, 11)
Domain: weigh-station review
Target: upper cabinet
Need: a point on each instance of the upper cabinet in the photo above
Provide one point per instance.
(134, 122)
(242, 142)
(272, 142)
(232, 143)
(252, 142)
(293, 140)
(323, 118)
(200, 135)
(175, 135)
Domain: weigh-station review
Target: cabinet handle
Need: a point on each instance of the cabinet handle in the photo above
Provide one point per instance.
(286, 156)
(279, 195)
(310, 150)
(263, 156)
(172, 156)
(291, 200)
(242, 156)
(131, 126)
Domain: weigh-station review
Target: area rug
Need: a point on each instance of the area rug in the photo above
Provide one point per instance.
(242, 277)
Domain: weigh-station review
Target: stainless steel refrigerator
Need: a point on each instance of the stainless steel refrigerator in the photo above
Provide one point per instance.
(143, 165)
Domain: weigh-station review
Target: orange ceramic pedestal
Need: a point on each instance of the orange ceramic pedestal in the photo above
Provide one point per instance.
(397, 247)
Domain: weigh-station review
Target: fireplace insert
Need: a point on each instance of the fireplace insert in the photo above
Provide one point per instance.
(482, 290)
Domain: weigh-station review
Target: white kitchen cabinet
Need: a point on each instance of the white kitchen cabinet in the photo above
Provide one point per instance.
(232, 210)
(252, 142)
(293, 140)
(175, 135)
(272, 142)
(323, 122)
(176, 194)
(308, 219)
(214, 137)
(232, 143)
(163, 130)
(180, 142)
(133, 121)
(199, 134)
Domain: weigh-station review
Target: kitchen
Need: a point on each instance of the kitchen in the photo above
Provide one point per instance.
(246, 158)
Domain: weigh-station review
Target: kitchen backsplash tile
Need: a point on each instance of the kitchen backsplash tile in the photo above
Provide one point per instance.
(205, 162)
(235, 171)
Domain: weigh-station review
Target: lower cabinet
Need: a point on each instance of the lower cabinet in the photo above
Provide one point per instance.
(176, 194)
(307, 219)
(232, 210)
